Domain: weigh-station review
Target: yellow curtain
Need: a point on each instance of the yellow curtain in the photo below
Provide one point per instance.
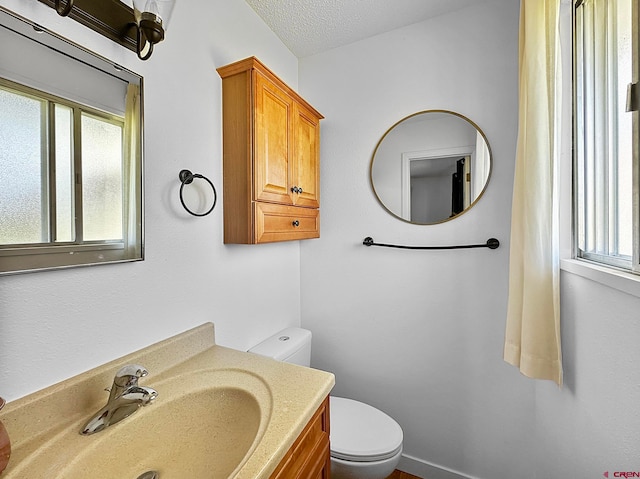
(532, 339)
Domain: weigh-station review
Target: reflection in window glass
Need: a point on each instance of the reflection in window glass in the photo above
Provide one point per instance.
(623, 64)
(64, 174)
(21, 163)
(101, 179)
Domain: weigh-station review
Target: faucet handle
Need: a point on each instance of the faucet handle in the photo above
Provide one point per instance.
(128, 375)
(143, 395)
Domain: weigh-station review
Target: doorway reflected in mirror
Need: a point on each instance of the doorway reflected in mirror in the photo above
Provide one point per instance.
(430, 167)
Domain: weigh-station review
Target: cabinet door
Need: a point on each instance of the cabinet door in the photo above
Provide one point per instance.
(306, 155)
(309, 457)
(273, 119)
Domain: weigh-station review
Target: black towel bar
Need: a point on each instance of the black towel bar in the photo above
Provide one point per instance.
(492, 243)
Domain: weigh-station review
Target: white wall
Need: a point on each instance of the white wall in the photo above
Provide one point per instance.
(56, 324)
(420, 334)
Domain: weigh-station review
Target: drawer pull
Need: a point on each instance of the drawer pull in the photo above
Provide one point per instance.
(296, 223)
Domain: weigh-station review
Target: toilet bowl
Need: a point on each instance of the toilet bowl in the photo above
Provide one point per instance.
(365, 442)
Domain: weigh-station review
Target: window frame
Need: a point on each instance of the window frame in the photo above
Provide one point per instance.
(49, 163)
(604, 262)
(49, 254)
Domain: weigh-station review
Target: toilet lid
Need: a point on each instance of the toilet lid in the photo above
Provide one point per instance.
(362, 433)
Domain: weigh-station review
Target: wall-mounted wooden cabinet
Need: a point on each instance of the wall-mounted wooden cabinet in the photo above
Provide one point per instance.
(309, 457)
(271, 159)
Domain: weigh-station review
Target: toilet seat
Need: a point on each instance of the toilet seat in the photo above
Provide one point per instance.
(362, 433)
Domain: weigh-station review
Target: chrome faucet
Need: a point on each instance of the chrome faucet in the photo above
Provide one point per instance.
(125, 398)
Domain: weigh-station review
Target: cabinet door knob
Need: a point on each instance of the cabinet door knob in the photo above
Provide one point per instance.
(299, 190)
(296, 223)
(295, 189)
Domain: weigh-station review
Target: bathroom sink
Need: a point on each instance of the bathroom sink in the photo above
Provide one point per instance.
(207, 436)
(219, 414)
(203, 425)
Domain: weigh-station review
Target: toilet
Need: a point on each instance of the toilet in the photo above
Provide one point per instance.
(365, 442)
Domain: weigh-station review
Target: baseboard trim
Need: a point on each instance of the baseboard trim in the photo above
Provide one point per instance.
(427, 470)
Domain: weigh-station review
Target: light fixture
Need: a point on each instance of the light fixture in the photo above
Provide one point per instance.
(152, 18)
(135, 24)
(62, 10)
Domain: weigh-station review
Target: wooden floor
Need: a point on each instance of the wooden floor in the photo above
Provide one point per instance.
(401, 475)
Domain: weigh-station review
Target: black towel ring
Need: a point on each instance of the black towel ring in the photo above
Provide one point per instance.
(186, 178)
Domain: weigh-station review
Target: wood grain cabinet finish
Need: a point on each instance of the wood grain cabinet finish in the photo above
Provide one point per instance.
(271, 160)
(309, 457)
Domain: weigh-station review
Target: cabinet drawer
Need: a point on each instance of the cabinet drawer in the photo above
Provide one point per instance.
(283, 223)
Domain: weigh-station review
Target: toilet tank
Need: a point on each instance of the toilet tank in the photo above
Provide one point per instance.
(291, 345)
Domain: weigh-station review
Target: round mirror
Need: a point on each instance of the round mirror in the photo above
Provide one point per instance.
(431, 167)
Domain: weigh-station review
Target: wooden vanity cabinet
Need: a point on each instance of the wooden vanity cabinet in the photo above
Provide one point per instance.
(271, 161)
(309, 457)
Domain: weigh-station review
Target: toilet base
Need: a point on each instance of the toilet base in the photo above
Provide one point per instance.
(341, 469)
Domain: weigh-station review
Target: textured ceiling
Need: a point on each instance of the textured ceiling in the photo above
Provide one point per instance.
(312, 26)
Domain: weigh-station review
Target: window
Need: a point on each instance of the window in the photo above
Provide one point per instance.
(70, 161)
(605, 133)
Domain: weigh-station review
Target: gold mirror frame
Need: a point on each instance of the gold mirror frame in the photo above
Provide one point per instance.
(411, 152)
